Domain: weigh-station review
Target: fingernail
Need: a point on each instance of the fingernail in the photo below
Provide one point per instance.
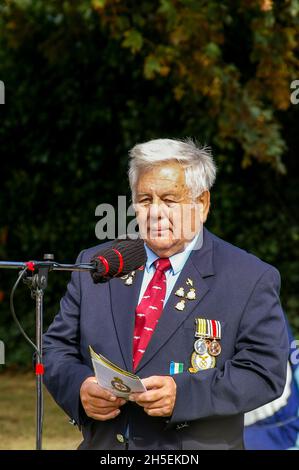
(112, 398)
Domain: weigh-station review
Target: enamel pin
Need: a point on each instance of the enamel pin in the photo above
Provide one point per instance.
(180, 305)
(180, 292)
(129, 278)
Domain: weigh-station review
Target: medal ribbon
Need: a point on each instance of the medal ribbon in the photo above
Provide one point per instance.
(208, 328)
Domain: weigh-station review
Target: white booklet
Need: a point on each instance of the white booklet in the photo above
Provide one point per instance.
(118, 381)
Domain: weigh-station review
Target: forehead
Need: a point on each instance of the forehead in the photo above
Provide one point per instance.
(167, 176)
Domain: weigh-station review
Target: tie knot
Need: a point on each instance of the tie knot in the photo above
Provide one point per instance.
(162, 264)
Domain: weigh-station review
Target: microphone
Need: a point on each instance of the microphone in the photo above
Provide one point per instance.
(120, 258)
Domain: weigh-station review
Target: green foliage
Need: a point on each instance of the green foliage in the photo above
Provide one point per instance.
(86, 80)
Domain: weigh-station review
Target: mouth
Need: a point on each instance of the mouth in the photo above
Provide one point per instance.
(159, 233)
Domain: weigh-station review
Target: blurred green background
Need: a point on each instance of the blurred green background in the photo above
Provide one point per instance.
(85, 80)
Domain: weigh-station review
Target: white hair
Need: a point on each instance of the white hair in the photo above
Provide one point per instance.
(197, 161)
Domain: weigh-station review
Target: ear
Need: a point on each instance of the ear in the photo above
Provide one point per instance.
(204, 201)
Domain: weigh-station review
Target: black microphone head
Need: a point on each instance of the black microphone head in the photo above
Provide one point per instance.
(118, 259)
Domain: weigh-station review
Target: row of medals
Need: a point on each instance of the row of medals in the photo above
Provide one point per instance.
(204, 356)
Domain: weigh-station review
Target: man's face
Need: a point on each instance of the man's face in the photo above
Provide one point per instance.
(168, 218)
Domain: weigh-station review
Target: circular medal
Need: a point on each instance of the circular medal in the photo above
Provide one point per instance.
(203, 361)
(214, 348)
(200, 346)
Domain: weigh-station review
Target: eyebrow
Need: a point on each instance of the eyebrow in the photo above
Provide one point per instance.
(162, 195)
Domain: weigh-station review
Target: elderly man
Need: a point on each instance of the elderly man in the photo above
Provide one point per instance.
(201, 324)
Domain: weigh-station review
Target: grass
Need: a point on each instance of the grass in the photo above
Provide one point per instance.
(17, 416)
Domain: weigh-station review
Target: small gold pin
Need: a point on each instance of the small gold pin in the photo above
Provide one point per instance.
(191, 295)
(189, 282)
(180, 305)
(180, 292)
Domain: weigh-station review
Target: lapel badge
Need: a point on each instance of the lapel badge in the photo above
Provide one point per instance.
(191, 295)
(180, 305)
(180, 292)
(129, 278)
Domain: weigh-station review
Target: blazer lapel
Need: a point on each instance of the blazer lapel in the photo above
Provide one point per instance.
(124, 299)
(198, 266)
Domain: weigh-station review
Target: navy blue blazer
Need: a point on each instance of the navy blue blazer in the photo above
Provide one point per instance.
(233, 287)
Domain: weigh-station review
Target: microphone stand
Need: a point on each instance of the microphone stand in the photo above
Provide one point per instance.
(37, 284)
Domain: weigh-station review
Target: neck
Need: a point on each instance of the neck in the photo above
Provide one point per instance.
(173, 250)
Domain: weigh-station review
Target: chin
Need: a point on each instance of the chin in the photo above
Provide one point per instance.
(160, 244)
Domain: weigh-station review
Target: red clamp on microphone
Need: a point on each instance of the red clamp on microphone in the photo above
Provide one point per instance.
(105, 263)
(121, 261)
(30, 265)
(39, 369)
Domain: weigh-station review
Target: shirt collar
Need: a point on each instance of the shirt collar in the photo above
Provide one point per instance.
(178, 259)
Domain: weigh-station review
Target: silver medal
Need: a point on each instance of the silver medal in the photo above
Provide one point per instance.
(200, 346)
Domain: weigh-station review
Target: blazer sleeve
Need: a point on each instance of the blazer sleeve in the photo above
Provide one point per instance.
(255, 375)
(64, 369)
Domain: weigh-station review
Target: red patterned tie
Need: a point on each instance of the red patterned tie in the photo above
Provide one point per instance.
(149, 310)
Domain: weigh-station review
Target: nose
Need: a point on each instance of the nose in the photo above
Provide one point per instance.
(157, 210)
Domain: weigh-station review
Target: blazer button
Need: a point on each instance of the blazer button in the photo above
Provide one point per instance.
(120, 438)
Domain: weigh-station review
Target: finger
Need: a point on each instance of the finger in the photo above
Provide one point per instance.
(156, 404)
(98, 410)
(155, 381)
(96, 391)
(148, 397)
(99, 403)
(102, 417)
(158, 412)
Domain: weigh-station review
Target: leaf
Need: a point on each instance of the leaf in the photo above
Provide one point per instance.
(133, 40)
(152, 66)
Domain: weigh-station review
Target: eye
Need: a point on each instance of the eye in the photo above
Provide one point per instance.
(170, 202)
(145, 200)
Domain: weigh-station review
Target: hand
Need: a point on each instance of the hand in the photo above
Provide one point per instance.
(159, 399)
(97, 402)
